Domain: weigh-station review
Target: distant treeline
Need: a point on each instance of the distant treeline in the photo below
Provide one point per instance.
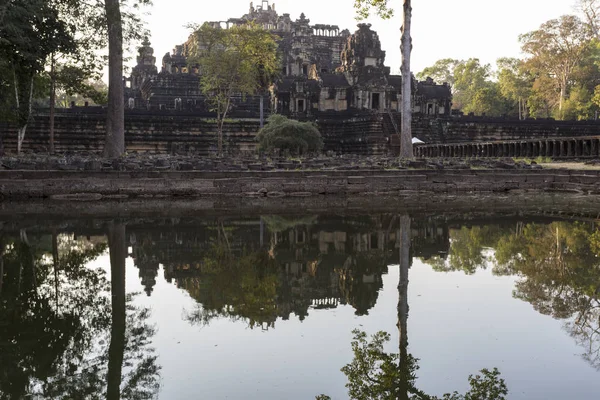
(558, 77)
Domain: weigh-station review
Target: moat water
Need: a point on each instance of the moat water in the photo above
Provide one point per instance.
(267, 307)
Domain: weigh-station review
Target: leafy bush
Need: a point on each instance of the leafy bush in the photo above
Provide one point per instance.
(283, 134)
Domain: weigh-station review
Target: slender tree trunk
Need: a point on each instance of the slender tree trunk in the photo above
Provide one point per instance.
(1, 265)
(52, 100)
(406, 147)
(118, 253)
(114, 145)
(563, 96)
(262, 111)
(219, 130)
(22, 127)
(25, 117)
(220, 137)
(262, 232)
(55, 265)
(16, 82)
(404, 250)
(1, 142)
(221, 123)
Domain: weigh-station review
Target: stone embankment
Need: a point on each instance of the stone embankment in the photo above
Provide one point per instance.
(96, 179)
(80, 161)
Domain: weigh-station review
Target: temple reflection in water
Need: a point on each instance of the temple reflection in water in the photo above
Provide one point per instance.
(71, 306)
(314, 262)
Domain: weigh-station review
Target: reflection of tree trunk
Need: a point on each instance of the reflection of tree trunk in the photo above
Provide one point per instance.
(403, 306)
(29, 259)
(52, 100)
(222, 227)
(118, 253)
(1, 264)
(262, 233)
(55, 264)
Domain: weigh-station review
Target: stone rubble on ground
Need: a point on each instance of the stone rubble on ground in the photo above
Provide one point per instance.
(164, 162)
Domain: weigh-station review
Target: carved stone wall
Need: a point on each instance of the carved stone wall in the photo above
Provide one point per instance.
(82, 129)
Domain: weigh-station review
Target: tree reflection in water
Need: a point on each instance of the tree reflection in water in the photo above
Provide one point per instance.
(299, 266)
(558, 267)
(242, 287)
(56, 324)
(374, 374)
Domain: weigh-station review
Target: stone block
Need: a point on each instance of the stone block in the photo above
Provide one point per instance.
(584, 179)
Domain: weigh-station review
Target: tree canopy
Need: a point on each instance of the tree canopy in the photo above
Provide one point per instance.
(295, 137)
(59, 323)
(558, 76)
(557, 265)
(555, 50)
(374, 374)
(234, 63)
(65, 37)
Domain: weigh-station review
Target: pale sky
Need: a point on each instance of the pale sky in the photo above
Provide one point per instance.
(486, 29)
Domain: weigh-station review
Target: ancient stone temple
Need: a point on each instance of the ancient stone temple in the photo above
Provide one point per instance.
(324, 70)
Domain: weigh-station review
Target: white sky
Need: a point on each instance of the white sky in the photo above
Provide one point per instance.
(458, 29)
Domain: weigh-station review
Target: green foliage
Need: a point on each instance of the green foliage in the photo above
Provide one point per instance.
(466, 250)
(374, 374)
(241, 60)
(283, 134)
(487, 386)
(557, 78)
(555, 50)
(579, 105)
(473, 89)
(57, 311)
(37, 35)
(236, 287)
(557, 265)
(542, 101)
(514, 83)
(442, 71)
(94, 92)
(381, 8)
(32, 30)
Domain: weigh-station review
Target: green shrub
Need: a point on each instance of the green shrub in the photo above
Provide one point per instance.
(283, 134)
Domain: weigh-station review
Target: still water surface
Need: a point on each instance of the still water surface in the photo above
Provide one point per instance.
(265, 307)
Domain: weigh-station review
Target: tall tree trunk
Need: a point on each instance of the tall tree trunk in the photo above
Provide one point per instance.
(24, 105)
(20, 138)
(406, 147)
(220, 137)
(219, 130)
(118, 253)
(1, 142)
(262, 110)
(563, 96)
(55, 266)
(52, 100)
(114, 145)
(405, 368)
(1, 264)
